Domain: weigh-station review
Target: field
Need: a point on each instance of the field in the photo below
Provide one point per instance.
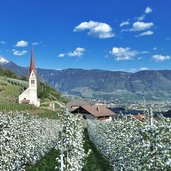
(30, 142)
(130, 144)
(25, 139)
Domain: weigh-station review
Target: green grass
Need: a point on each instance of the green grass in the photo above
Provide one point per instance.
(7, 107)
(48, 114)
(11, 86)
(45, 113)
(18, 82)
(46, 163)
(95, 161)
(45, 92)
(12, 91)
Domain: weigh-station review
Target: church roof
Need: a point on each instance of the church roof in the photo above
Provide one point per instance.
(32, 64)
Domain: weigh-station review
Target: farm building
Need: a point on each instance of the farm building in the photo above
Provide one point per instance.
(99, 112)
(74, 104)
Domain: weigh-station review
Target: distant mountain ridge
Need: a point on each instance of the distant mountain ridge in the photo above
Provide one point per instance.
(124, 86)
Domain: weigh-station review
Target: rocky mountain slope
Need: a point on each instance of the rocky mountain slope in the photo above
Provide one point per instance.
(153, 85)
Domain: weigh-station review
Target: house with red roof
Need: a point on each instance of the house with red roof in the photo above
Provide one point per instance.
(99, 112)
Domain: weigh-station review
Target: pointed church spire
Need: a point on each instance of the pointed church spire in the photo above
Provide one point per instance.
(32, 64)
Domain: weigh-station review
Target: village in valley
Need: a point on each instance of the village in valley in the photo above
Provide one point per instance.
(90, 108)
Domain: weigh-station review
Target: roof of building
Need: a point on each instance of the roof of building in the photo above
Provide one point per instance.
(32, 64)
(140, 117)
(97, 111)
(76, 103)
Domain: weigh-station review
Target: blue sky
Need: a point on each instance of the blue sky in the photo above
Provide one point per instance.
(127, 35)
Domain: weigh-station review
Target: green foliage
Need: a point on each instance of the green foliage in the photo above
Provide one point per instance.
(17, 82)
(7, 73)
(95, 161)
(15, 106)
(45, 113)
(47, 92)
(12, 91)
(11, 86)
(24, 78)
(46, 163)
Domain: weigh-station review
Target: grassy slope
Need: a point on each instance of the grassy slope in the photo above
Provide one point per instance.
(11, 86)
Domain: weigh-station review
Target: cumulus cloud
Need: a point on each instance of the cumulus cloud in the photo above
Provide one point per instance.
(21, 43)
(121, 53)
(146, 33)
(61, 55)
(142, 17)
(77, 52)
(2, 42)
(96, 29)
(124, 23)
(141, 26)
(160, 58)
(19, 53)
(148, 10)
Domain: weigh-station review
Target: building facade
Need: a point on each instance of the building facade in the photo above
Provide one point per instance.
(98, 112)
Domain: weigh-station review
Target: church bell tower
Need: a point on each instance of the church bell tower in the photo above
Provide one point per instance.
(32, 80)
(29, 96)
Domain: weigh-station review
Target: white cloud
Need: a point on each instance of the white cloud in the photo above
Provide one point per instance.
(143, 69)
(141, 26)
(160, 58)
(21, 43)
(124, 23)
(121, 53)
(142, 17)
(148, 10)
(35, 43)
(19, 53)
(96, 29)
(146, 33)
(61, 55)
(2, 42)
(77, 52)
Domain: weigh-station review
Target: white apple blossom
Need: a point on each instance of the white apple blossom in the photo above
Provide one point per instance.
(24, 139)
(130, 144)
(71, 142)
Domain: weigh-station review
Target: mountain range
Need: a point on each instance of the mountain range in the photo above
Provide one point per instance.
(151, 85)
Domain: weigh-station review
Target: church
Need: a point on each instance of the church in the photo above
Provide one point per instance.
(29, 96)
